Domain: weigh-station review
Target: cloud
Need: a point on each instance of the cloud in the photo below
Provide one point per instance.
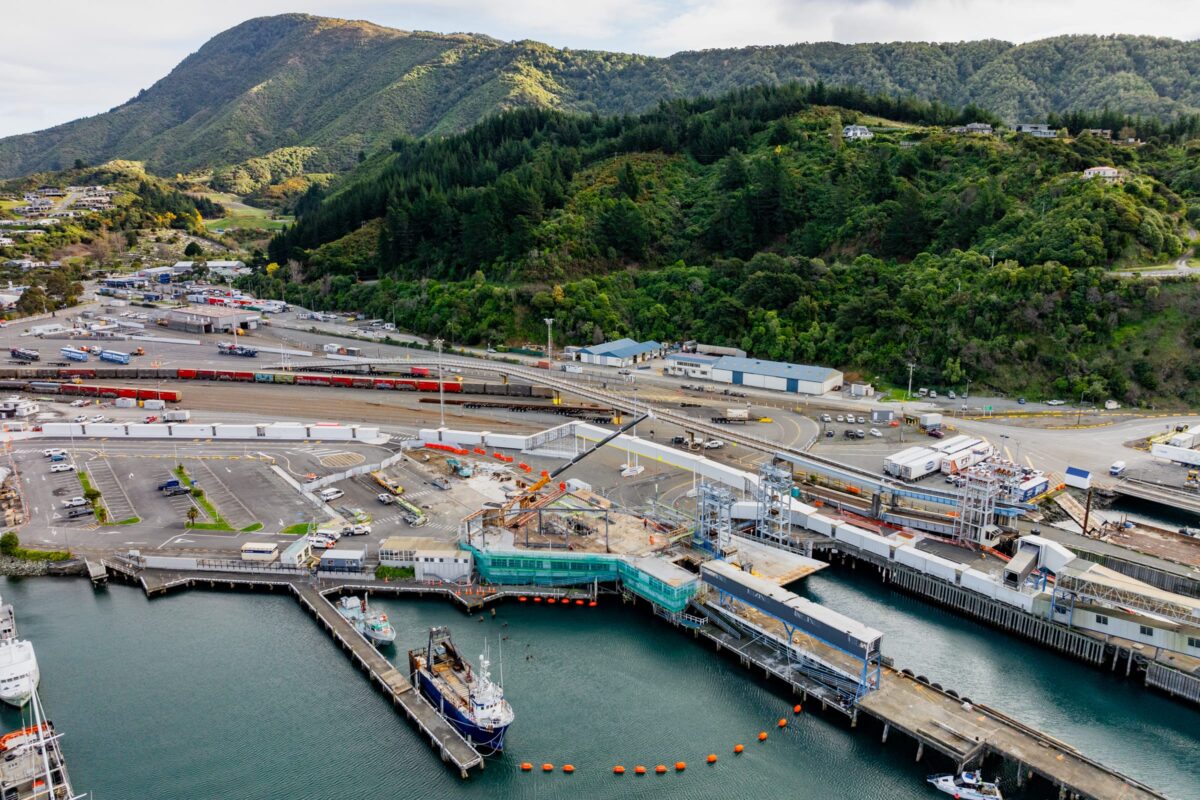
(84, 57)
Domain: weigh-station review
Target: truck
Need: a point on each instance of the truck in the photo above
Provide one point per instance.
(571, 368)
(114, 356)
(231, 349)
(171, 484)
(930, 421)
(1117, 469)
(741, 415)
(21, 354)
(177, 416)
(73, 354)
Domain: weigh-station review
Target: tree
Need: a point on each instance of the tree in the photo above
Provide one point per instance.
(627, 182)
(32, 301)
(101, 514)
(192, 513)
(9, 543)
(193, 249)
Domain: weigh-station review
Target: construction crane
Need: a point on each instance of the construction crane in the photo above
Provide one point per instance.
(549, 476)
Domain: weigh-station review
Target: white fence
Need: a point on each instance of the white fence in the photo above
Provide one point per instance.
(283, 431)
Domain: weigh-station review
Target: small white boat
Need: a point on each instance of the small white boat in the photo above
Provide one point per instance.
(967, 786)
(19, 674)
(372, 624)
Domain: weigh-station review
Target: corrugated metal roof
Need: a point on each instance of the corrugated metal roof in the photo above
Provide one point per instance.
(621, 348)
(777, 369)
(1077, 472)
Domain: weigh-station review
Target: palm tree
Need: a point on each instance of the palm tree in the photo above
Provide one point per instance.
(192, 513)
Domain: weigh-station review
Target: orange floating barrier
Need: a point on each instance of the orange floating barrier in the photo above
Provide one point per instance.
(737, 748)
(762, 736)
(660, 769)
(526, 766)
(537, 599)
(783, 723)
(578, 602)
(591, 603)
(568, 768)
(547, 767)
(639, 770)
(526, 599)
(712, 757)
(618, 770)
(796, 709)
(680, 766)
(551, 600)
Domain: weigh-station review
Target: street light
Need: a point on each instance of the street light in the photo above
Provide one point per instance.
(549, 337)
(1079, 411)
(441, 389)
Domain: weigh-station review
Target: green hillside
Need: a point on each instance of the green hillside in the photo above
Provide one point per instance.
(749, 221)
(344, 87)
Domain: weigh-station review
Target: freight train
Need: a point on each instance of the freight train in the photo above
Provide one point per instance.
(69, 381)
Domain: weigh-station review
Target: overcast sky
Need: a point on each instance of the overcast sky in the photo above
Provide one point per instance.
(70, 58)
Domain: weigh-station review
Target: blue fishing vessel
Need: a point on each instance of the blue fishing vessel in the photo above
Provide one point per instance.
(468, 699)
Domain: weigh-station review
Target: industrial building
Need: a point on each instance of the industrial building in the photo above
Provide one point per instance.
(796, 378)
(343, 560)
(429, 558)
(691, 365)
(211, 319)
(712, 349)
(621, 353)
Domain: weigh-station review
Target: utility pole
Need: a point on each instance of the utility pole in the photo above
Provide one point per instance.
(549, 338)
(438, 342)
(911, 367)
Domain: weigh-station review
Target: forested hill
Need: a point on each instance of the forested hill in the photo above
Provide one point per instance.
(749, 220)
(344, 87)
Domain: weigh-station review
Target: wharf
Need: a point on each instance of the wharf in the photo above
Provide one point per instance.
(937, 718)
(1077, 512)
(1186, 501)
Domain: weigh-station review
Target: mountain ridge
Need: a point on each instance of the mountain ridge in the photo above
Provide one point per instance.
(346, 86)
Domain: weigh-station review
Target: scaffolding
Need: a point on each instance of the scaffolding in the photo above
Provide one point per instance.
(774, 495)
(714, 528)
(976, 521)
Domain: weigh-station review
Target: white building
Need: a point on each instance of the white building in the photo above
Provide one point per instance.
(1109, 174)
(429, 558)
(621, 353)
(777, 375)
(1037, 130)
(856, 132)
(691, 365)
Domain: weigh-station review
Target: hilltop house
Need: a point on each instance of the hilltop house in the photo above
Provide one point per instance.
(1038, 130)
(1109, 174)
(855, 132)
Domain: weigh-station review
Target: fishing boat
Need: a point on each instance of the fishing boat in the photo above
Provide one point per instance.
(967, 786)
(468, 699)
(19, 673)
(371, 624)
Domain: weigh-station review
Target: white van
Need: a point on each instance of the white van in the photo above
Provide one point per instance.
(331, 494)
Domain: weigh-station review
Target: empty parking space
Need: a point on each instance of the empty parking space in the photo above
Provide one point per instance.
(110, 485)
(217, 489)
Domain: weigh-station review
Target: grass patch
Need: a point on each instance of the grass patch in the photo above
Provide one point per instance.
(394, 573)
(299, 529)
(216, 521)
(40, 555)
(210, 526)
(130, 521)
(257, 526)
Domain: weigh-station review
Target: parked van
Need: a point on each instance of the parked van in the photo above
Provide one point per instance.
(331, 494)
(1117, 469)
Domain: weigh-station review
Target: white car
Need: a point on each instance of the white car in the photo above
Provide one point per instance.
(49, 453)
(826, 418)
(78, 403)
(1056, 402)
(81, 418)
(74, 502)
(385, 498)
(331, 494)
(321, 541)
(862, 420)
(713, 444)
(62, 467)
(875, 432)
(356, 530)
(841, 418)
(98, 418)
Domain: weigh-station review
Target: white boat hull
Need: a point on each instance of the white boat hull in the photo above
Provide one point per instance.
(19, 691)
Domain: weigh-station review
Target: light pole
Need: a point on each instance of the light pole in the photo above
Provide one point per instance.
(438, 342)
(1079, 411)
(549, 337)
(911, 367)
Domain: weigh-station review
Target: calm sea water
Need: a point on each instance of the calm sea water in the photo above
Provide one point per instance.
(222, 695)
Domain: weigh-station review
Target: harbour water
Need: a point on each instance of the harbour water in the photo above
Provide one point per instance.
(212, 694)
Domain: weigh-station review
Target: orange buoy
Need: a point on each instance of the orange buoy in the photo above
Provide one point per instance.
(796, 709)
(639, 770)
(551, 600)
(537, 599)
(591, 603)
(618, 770)
(526, 766)
(783, 723)
(660, 769)
(737, 748)
(762, 736)
(526, 599)
(578, 602)
(568, 768)
(547, 767)
(712, 757)
(680, 766)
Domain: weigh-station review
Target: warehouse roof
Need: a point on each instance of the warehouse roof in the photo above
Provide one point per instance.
(212, 312)
(621, 348)
(777, 369)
